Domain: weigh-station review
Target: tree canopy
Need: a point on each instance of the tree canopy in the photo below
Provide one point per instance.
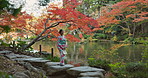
(47, 24)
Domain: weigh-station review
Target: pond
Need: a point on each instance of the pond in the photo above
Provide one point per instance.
(79, 53)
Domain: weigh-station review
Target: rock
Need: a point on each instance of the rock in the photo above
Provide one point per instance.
(37, 62)
(48, 64)
(56, 70)
(29, 66)
(92, 74)
(5, 52)
(77, 70)
(20, 75)
(27, 59)
(13, 56)
(52, 63)
(33, 72)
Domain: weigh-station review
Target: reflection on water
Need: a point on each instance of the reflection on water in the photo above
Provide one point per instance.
(79, 53)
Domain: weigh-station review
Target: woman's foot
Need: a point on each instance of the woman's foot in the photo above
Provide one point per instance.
(61, 64)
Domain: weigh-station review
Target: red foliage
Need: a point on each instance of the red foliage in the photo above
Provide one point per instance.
(125, 8)
(55, 14)
(72, 38)
(80, 35)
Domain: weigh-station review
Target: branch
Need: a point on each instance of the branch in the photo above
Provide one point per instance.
(46, 23)
(121, 26)
(56, 24)
(30, 31)
(43, 37)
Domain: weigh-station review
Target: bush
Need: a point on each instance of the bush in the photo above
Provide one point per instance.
(2, 43)
(5, 75)
(99, 63)
(143, 40)
(136, 70)
(99, 36)
(133, 67)
(118, 69)
(53, 59)
(86, 36)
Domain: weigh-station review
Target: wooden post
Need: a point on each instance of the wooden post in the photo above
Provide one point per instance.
(13, 45)
(52, 52)
(40, 48)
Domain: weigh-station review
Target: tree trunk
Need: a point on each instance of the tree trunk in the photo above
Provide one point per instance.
(31, 43)
(129, 31)
(34, 40)
(134, 30)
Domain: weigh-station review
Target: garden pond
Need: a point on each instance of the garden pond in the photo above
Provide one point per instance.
(79, 53)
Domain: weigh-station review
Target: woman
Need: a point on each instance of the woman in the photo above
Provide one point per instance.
(62, 45)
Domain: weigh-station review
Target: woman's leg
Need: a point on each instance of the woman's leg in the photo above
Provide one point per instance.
(62, 58)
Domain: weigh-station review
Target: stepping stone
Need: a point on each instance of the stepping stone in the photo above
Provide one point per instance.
(37, 62)
(5, 52)
(27, 59)
(92, 74)
(52, 63)
(77, 70)
(13, 56)
(56, 70)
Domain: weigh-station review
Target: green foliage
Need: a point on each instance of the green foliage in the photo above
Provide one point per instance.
(53, 59)
(145, 55)
(136, 70)
(5, 75)
(129, 70)
(133, 67)
(20, 45)
(114, 38)
(86, 36)
(5, 29)
(2, 43)
(99, 36)
(118, 69)
(143, 40)
(16, 11)
(99, 63)
(32, 37)
(4, 4)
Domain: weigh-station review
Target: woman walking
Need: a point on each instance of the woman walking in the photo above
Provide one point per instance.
(62, 45)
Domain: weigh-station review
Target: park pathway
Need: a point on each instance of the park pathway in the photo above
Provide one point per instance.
(52, 69)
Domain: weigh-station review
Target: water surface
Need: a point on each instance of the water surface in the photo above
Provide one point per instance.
(79, 53)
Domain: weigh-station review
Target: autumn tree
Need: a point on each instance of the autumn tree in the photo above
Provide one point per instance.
(7, 8)
(93, 7)
(127, 16)
(47, 25)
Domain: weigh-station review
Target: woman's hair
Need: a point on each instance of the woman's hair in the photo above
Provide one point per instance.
(60, 30)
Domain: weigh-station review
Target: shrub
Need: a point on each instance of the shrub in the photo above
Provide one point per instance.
(86, 36)
(99, 35)
(136, 70)
(99, 63)
(53, 59)
(5, 75)
(133, 67)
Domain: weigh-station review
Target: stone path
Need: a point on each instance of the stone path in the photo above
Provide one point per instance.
(52, 69)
